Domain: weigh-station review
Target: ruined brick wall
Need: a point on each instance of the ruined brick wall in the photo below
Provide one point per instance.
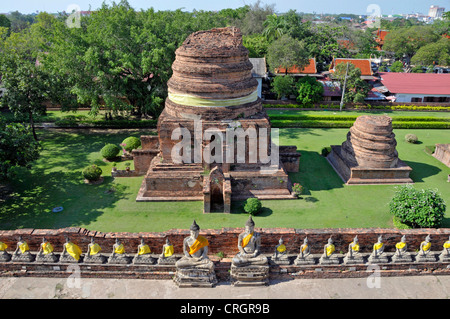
(225, 239)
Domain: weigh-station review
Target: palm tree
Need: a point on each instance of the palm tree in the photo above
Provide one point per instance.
(274, 27)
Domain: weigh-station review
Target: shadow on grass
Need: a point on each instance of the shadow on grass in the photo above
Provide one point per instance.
(421, 170)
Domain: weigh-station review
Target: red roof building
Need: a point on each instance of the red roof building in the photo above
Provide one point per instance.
(417, 87)
(380, 37)
(363, 64)
(309, 69)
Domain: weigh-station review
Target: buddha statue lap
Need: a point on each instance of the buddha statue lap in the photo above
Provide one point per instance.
(445, 254)
(143, 255)
(118, 255)
(249, 266)
(329, 254)
(305, 257)
(45, 253)
(4, 255)
(425, 254)
(280, 256)
(401, 254)
(93, 255)
(195, 269)
(22, 252)
(378, 256)
(167, 256)
(71, 252)
(353, 255)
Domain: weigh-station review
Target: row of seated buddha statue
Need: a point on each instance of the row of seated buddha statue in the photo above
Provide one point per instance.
(72, 253)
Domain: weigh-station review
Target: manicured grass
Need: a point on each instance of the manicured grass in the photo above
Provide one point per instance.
(358, 113)
(56, 180)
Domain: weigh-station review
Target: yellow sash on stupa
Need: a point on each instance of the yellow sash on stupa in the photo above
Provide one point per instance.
(281, 248)
(144, 250)
(199, 243)
(47, 248)
(377, 246)
(119, 249)
(355, 247)
(168, 251)
(95, 249)
(246, 239)
(330, 249)
(447, 244)
(3, 246)
(73, 250)
(400, 245)
(24, 247)
(426, 246)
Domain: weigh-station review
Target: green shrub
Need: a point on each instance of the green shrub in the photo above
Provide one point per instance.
(131, 143)
(92, 173)
(411, 138)
(110, 151)
(325, 151)
(417, 208)
(297, 189)
(252, 206)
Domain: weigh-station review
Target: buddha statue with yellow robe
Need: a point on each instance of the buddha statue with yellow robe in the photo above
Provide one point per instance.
(143, 255)
(353, 255)
(249, 243)
(118, 255)
(71, 252)
(329, 253)
(378, 256)
(22, 252)
(445, 254)
(93, 254)
(45, 253)
(305, 257)
(195, 269)
(425, 254)
(280, 256)
(4, 255)
(167, 256)
(401, 252)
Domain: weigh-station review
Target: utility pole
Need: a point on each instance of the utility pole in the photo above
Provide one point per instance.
(343, 90)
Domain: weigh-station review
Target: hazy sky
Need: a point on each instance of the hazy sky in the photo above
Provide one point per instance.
(318, 6)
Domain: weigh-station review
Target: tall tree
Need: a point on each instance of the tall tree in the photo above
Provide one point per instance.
(287, 52)
(437, 53)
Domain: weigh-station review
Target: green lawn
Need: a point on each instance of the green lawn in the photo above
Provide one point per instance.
(56, 180)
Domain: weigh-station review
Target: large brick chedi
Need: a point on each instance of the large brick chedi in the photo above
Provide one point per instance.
(369, 154)
(214, 138)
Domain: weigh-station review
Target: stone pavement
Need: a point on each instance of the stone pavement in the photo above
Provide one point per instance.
(409, 287)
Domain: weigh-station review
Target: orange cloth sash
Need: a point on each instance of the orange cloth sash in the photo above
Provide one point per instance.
(199, 243)
(246, 239)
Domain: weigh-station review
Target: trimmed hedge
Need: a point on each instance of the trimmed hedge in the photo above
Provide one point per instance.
(110, 151)
(361, 107)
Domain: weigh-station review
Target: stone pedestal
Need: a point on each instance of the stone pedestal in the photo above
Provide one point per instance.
(4, 256)
(354, 259)
(403, 258)
(444, 257)
(379, 259)
(119, 259)
(66, 258)
(27, 257)
(202, 277)
(49, 258)
(426, 258)
(281, 260)
(168, 261)
(249, 276)
(307, 260)
(329, 260)
(146, 259)
(96, 259)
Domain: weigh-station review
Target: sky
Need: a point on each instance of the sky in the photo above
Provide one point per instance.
(360, 7)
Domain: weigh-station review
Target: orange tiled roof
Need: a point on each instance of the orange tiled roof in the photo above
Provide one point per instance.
(362, 64)
(309, 69)
(345, 43)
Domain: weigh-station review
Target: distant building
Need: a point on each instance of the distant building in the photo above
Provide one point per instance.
(363, 64)
(380, 36)
(436, 12)
(259, 72)
(310, 69)
(417, 87)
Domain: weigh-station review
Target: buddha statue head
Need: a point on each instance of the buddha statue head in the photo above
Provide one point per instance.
(194, 229)
(249, 225)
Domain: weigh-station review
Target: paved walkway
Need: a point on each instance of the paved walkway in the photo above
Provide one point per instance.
(420, 287)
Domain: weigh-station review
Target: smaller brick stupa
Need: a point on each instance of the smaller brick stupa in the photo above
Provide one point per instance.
(369, 154)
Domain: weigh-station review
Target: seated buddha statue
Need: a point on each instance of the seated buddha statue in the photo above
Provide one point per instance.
(4, 255)
(280, 255)
(45, 253)
(22, 252)
(195, 269)
(167, 256)
(249, 243)
(305, 257)
(425, 254)
(143, 255)
(445, 254)
(378, 255)
(329, 256)
(118, 255)
(93, 254)
(195, 249)
(71, 252)
(353, 255)
(401, 251)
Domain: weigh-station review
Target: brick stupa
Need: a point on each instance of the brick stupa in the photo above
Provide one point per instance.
(212, 88)
(369, 154)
